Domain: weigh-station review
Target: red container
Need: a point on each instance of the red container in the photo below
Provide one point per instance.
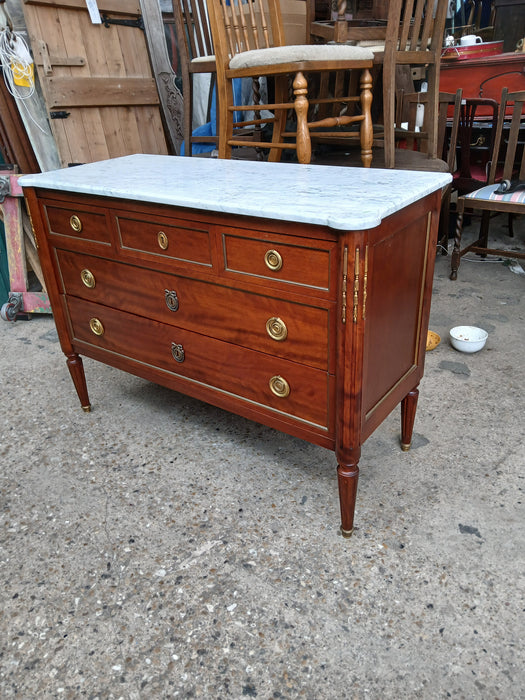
(461, 53)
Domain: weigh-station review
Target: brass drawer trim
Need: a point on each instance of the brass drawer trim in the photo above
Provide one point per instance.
(88, 278)
(75, 223)
(276, 329)
(162, 240)
(177, 352)
(279, 386)
(273, 260)
(172, 300)
(96, 326)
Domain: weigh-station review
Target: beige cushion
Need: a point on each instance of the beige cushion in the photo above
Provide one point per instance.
(203, 59)
(297, 53)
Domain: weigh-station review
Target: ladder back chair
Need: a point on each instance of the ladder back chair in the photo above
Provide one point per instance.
(413, 36)
(447, 139)
(249, 43)
(196, 55)
(472, 174)
(508, 195)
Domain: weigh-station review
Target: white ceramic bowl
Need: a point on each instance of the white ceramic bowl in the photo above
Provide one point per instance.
(468, 338)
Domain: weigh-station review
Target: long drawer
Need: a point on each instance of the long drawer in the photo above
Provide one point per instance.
(291, 330)
(281, 385)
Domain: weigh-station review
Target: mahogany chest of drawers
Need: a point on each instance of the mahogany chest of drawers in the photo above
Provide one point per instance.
(314, 330)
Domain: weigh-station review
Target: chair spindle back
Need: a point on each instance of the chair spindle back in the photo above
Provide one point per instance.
(516, 127)
(256, 24)
(195, 28)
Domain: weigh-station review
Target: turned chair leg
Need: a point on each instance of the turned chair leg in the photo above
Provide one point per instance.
(304, 145)
(456, 252)
(367, 129)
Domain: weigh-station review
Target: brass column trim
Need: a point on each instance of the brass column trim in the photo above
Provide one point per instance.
(356, 284)
(345, 279)
(365, 283)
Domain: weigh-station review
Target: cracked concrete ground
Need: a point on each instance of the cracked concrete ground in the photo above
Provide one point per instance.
(162, 548)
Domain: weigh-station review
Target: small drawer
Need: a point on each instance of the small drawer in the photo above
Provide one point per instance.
(185, 241)
(78, 223)
(292, 330)
(266, 382)
(295, 261)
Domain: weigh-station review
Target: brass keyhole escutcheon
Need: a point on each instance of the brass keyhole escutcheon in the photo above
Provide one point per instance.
(172, 300)
(96, 326)
(75, 223)
(178, 352)
(273, 260)
(276, 328)
(88, 278)
(279, 386)
(162, 240)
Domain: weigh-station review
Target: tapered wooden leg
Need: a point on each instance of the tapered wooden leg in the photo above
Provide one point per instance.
(304, 145)
(225, 98)
(484, 230)
(279, 125)
(347, 478)
(76, 370)
(408, 415)
(367, 129)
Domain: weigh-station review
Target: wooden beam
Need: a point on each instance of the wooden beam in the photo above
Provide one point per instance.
(100, 92)
(121, 7)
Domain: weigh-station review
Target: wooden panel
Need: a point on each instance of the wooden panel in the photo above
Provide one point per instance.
(109, 95)
(99, 92)
(396, 272)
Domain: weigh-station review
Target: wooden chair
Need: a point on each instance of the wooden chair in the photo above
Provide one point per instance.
(414, 155)
(487, 199)
(413, 36)
(470, 175)
(196, 55)
(249, 43)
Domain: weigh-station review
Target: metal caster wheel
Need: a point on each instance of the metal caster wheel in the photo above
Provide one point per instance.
(7, 312)
(10, 309)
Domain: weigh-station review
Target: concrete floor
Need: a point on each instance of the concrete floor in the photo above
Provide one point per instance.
(162, 548)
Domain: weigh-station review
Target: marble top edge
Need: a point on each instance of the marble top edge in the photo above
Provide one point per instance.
(344, 198)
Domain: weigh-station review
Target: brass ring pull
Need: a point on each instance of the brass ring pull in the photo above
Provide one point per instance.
(162, 240)
(172, 300)
(96, 326)
(273, 260)
(279, 386)
(75, 223)
(88, 278)
(276, 328)
(178, 352)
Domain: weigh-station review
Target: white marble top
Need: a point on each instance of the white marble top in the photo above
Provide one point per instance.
(338, 197)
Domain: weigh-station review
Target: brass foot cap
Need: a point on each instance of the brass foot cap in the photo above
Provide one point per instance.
(87, 409)
(405, 446)
(347, 533)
